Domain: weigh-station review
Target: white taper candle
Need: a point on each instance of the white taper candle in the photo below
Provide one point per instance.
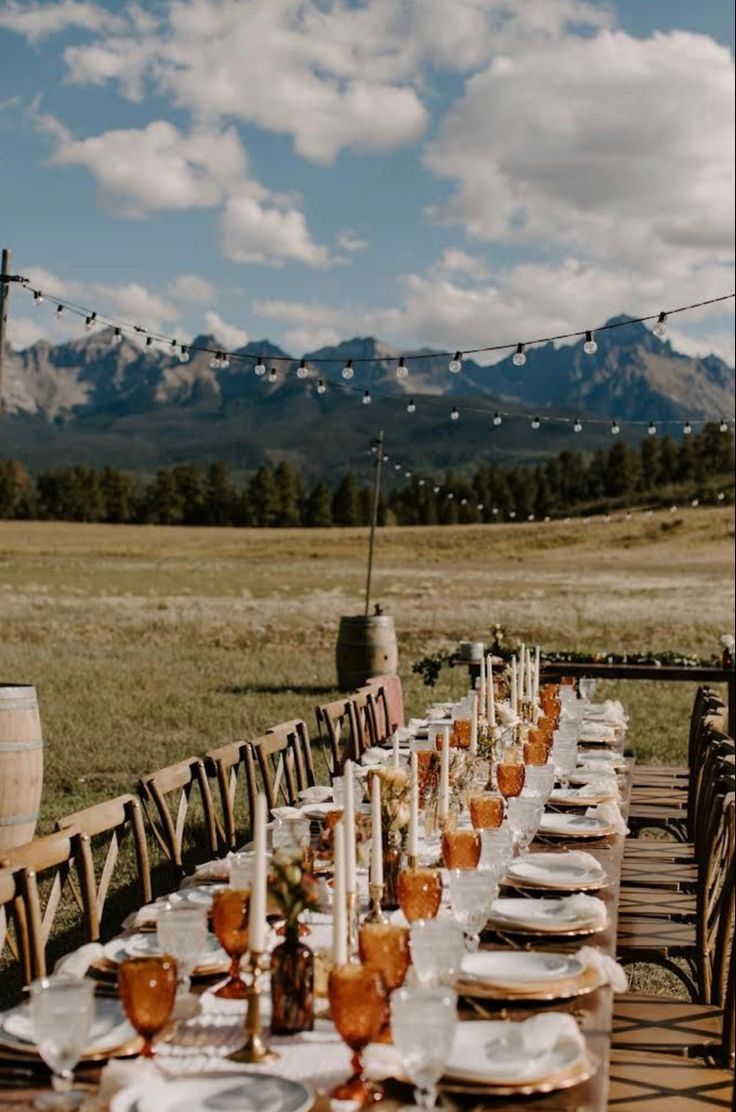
(412, 838)
(339, 907)
(349, 823)
(257, 909)
(376, 832)
(443, 798)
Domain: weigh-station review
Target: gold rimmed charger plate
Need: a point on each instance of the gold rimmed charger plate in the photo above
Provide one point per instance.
(563, 1079)
(578, 835)
(582, 801)
(504, 926)
(30, 1053)
(522, 885)
(106, 969)
(564, 989)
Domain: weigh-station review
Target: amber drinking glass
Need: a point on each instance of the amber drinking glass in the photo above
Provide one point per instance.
(230, 924)
(359, 1009)
(486, 810)
(420, 893)
(461, 849)
(147, 988)
(510, 778)
(536, 749)
(460, 736)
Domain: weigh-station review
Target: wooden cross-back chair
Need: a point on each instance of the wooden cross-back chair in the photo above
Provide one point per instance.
(15, 952)
(335, 725)
(390, 701)
(298, 735)
(277, 767)
(50, 887)
(99, 832)
(179, 808)
(226, 765)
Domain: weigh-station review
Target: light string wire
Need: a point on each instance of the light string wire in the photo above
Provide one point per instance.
(95, 317)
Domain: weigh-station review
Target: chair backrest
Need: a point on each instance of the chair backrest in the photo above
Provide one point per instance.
(298, 734)
(706, 703)
(725, 971)
(15, 952)
(54, 896)
(390, 698)
(711, 893)
(98, 834)
(280, 769)
(228, 766)
(178, 804)
(335, 727)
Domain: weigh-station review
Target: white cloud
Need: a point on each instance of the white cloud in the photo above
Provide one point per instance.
(456, 261)
(190, 288)
(614, 147)
(39, 21)
(229, 335)
(349, 241)
(257, 233)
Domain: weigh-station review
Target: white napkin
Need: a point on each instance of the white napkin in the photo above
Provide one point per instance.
(77, 963)
(587, 908)
(404, 733)
(286, 813)
(607, 967)
(585, 860)
(592, 730)
(119, 1073)
(607, 784)
(537, 1037)
(609, 813)
(417, 724)
(506, 716)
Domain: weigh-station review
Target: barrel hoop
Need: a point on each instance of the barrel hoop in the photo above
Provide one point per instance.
(21, 746)
(18, 820)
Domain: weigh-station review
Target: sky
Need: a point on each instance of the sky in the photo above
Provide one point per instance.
(448, 173)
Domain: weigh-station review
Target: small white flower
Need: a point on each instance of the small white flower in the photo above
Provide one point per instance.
(728, 642)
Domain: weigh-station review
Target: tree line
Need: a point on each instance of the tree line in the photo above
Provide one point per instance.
(187, 494)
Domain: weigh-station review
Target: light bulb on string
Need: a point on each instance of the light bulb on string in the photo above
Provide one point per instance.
(535, 423)
(172, 347)
(512, 514)
(615, 428)
(224, 360)
(411, 406)
(37, 297)
(260, 368)
(673, 509)
(367, 399)
(59, 310)
(578, 425)
(480, 507)
(590, 347)
(436, 489)
(397, 467)
(184, 354)
(455, 414)
(117, 336)
(660, 327)
(723, 427)
(421, 482)
(302, 370)
(652, 430)
(721, 496)
(402, 371)
(347, 371)
(497, 418)
(519, 356)
(216, 361)
(530, 517)
(321, 386)
(695, 503)
(494, 511)
(463, 501)
(89, 321)
(149, 343)
(385, 459)
(450, 495)
(407, 474)
(687, 429)
(456, 363)
(547, 519)
(272, 375)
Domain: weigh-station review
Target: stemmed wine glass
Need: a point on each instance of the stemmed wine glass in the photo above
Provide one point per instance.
(525, 815)
(437, 948)
(147, 988)
(182, 932)
(61, 1014)
(586, 688)
(510, 776)
(230, 924)
(472, 892)
(422, 1025)
(358, 1006)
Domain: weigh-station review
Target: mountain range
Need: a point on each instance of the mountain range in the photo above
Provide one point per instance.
(91, 401)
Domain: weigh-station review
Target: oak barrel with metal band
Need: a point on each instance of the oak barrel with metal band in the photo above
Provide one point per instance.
(366, 646)
(21, 764)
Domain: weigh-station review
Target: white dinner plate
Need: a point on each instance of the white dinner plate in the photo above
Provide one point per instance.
(232, 1092)
(109, 1031)
(543, 916)
(318, 810)
(602, 756)
(199, 896)
(514, 969)
(555, 870)
(481, 1052)
(147, 945)
(569, 797)
(320, 793)
(574, 826)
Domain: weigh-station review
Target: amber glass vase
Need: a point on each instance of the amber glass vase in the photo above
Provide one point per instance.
(292, 985)
(391, 870)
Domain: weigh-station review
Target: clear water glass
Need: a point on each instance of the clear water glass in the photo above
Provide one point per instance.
(338, 791)
(182, 933)
(62, 1010)
(524, 818)
(540, 779)
(422, 1027)
(586, 687)
(496, 849)
(564, 758)
(437, 948)
(472, 892)
(291, 834)
(241, 870)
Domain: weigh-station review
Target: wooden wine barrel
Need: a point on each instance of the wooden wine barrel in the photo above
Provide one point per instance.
(366, 646)
(21, 764)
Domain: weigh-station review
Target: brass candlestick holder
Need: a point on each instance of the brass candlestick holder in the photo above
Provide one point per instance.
(256, 1048)
(375, 915)
(411, 861)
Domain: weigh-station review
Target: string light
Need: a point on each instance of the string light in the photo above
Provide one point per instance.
(216, 361)
(578, 426)
(535, 423)
(272, 375)
(512, 514)
(149, 343)
(184, 354)
(456, 363)
(530, 517)
(497, 418)
(59, 310)
(411, 406)
(402, 371)
(723, 427)
(260, 367)
(687, 429)
(479, 507)
(321, 387)
(224, 361)
(721, 496)
(695, 503)
(89, 321)
(302, 370)
(615, 427)
(407, 474)
(590, 347)
(455, 414)
(37, 297)
(463, 501)
(172, 347)
(450, 495)
(660, 327)
(436, 489)
(652, 430)
(519, 356)
(494, 511)
(117, 336)
(367, 399)
(397, 467)
(347, 371)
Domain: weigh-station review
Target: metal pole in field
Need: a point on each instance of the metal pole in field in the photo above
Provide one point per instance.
(4, 295)
(374, 517)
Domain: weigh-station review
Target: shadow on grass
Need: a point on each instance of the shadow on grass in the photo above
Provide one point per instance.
(276, 689)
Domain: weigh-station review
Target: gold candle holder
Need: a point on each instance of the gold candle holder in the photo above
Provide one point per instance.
(375, 915)
(411, 861)
(256, 1048)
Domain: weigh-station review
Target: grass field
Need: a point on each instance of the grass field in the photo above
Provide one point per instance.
(147, 644)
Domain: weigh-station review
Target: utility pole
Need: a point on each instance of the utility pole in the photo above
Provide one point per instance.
(5, 279)
(378, 444)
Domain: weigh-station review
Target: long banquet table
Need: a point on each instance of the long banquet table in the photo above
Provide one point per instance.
(593, 1012)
